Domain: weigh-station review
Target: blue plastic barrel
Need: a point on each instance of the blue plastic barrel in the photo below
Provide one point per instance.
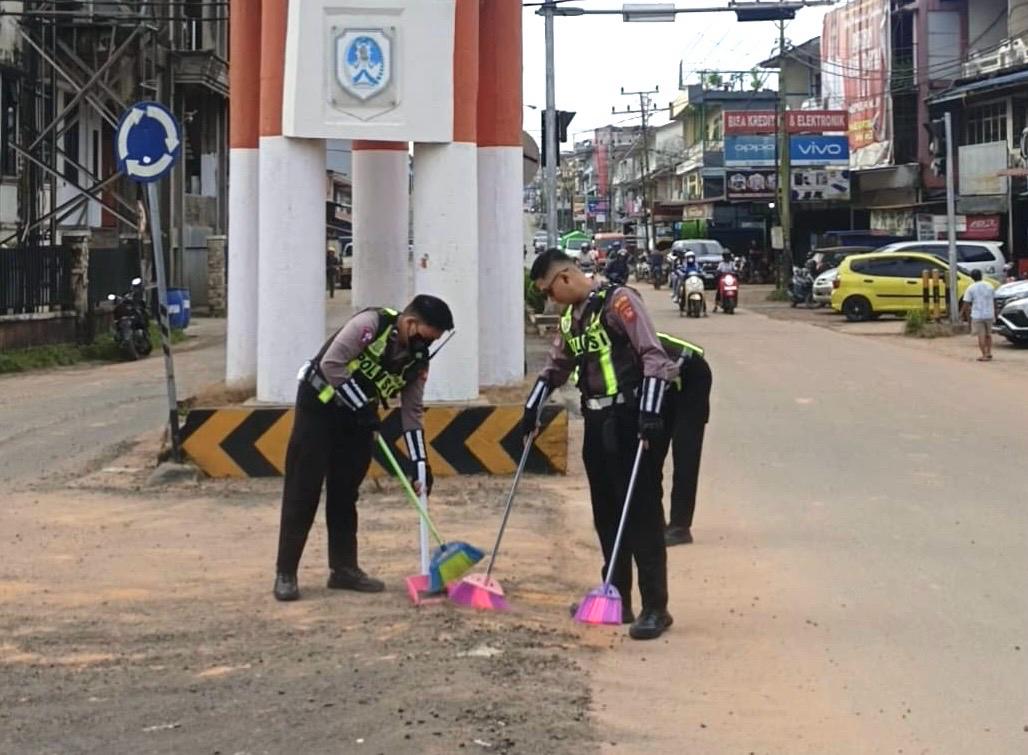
(178, 308)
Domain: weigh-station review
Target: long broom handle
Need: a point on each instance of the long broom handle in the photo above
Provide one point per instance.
(514, 486)
(624, 516)
(411, 495)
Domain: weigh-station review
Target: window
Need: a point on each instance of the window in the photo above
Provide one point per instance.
(986, 123)
(975, 253)
(8, 125)
(912, 267)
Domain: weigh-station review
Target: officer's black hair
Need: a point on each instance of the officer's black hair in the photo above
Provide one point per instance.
(547, 260)
(431, 310)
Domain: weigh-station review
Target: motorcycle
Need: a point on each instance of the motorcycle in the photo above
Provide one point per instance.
(692, 301)
(131, 330)
(728, 293)
(642, 270)
(801, 288)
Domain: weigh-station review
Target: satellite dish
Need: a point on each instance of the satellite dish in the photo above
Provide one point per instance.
(532, 158)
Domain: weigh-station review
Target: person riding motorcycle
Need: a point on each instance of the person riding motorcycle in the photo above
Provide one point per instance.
(616, 269)
(725, 266)
(686, 267)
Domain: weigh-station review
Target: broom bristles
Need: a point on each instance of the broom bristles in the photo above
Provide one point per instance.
(600, 606)
(476, 591)
(451, 562)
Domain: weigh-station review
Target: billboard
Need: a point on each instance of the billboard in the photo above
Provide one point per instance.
(750, 184)
(815, 149)
(855, 55)
(796, 121)
(820, 184)
(750, 121)
(750, 151)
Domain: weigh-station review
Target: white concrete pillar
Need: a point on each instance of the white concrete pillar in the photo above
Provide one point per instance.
(500, 181)
(244, 131)
(446, 220)
(291, 268)
(381, 220)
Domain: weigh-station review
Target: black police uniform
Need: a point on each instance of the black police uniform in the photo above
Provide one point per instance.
(332, 436)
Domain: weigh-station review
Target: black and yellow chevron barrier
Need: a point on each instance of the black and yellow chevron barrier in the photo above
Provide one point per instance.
(245, 441)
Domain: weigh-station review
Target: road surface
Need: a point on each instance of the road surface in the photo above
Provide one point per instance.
(858, 580)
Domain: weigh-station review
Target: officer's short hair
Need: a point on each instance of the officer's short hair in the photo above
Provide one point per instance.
(547, 260)
(431, 310)
(976, 275)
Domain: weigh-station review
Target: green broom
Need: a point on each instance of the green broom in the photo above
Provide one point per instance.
(450, 561)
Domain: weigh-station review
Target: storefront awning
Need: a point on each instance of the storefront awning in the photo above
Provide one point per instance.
(982, 86)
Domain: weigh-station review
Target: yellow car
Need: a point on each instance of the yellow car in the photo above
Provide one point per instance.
(869, 285)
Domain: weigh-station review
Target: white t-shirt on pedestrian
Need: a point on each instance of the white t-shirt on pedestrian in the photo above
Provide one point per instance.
(981, 296)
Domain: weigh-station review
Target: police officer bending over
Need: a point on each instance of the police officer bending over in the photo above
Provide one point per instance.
(607, 344)
(376, 356)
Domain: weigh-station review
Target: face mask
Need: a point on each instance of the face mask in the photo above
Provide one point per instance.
(418, 346)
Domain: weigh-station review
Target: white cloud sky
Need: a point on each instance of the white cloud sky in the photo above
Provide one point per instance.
(597, 55)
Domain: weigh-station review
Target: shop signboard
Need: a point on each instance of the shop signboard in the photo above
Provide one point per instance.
(750, 151)
(796, 121)
(819, 150)
(745, 184)
(820, 184)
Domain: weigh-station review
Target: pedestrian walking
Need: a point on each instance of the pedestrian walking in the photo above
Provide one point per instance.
(607, 343)
(378, 355)
(331, 272)
(980, 306)
(686, 412)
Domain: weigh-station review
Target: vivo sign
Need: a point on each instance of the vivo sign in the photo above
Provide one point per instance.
(750, 151)
(819, 150)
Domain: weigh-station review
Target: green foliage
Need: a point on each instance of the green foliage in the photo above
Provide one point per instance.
(103, 349)
(534, 298)
(915, 322)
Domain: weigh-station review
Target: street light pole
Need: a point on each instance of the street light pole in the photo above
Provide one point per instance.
(551, 147)
(784, 167)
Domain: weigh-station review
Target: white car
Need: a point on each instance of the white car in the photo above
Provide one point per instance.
(1008, 292)
(1013, 322)
(986, 256)
(823, 285)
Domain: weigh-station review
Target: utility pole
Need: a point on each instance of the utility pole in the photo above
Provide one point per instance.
(784, 167)
(951, 224)
(551, 147)
(644, 111)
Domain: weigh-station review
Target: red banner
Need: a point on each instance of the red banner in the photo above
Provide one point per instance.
(797, 121)
(981, 228)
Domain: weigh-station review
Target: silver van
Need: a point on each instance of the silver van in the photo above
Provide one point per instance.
(986, 256)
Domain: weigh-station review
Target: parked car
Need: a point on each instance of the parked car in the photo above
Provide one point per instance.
(986, 256)
(869, 285)
(1012, 323)
(824, 284)
(1009, 292)
(346, 266)
(825, 258)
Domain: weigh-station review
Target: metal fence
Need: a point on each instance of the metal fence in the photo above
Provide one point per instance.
(35, 279)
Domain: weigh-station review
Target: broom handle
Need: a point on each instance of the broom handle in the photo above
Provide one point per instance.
(514, 487)
(411, 495)
(624, 516)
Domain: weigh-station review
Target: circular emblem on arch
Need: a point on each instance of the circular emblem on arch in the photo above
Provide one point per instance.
(364, 62)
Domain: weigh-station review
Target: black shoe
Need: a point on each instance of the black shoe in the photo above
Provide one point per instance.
(353, 578)
(675, 535)
(627, 616)
(651, 624)
(286, 587)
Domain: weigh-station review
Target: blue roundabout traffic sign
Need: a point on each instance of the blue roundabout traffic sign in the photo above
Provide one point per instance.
(148, 142)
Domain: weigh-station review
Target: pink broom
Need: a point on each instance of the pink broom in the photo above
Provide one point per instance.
(602, 605)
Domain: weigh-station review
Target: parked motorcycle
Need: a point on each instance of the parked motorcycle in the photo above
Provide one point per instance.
(801, 288)
(691, 300)
(131, 328)
(728, 293)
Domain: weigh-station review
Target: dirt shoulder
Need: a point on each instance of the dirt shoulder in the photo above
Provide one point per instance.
(138, 620)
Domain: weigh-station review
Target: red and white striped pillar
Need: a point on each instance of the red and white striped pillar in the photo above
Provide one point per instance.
(381, 223)
(291, 269)
(500, 181)
(244, 108)
(446, 220)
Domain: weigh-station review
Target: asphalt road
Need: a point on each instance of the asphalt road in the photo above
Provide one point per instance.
(55, 423)
(858, 581)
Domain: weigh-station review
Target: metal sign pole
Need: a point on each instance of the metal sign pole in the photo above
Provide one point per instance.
(153, 202)
(951, 226)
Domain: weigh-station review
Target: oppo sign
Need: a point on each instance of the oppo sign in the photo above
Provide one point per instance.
(750, 151)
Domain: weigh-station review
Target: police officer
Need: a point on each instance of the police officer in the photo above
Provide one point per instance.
(377, 355)
(607, 344)
(686, 411)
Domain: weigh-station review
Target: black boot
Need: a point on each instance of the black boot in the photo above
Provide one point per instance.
(650, 625)
(675, 535)
(286, 587)
(353, 578)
